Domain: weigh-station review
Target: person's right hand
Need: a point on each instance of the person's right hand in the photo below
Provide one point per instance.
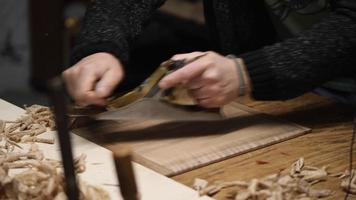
(93, 79)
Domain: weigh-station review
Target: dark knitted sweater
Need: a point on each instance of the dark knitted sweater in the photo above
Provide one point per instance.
(277, 70)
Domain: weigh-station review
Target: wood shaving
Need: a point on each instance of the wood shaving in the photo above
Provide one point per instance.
(297, 167)
(295, 185)
(314, 174)
(79, 163)
(42, 179)
(39, 178)
(348, 182)
(28, 138)
(36, 120)
(200, 184)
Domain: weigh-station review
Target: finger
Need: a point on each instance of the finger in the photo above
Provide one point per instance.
(212, 102)
(86, 79)
(211, 91)
(185, 74)
(187, 56)
(108, 82)
(91, 98)
(195, 83)
(212, 75)
(207, 78)
(84, 83)
(93, 58)
(69, 79)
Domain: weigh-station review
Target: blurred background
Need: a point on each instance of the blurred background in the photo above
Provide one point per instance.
(36, 38)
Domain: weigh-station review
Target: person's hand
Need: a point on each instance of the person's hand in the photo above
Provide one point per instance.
(93, 79)
(212, 80)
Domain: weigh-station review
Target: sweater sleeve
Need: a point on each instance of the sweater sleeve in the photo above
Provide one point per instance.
(300, 64)
(111, 26)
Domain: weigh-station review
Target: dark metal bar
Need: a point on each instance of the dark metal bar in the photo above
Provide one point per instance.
(125, 173)
(58, 97)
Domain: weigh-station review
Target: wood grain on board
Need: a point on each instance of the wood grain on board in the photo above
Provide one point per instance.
(171, 148)
(328, 144)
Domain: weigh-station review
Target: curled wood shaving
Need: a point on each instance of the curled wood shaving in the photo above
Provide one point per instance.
(21, 164)
(319, 193)
(39, 178)
(314, 174)
(28, 138)
(42, 180)
(91, 192)
(297, 167)
(243, 195)
(296, 185)
(211, 189)
(347, 184)
(346, 174)
(37, 120)
(79, 163)
(60, 196)
(2, 126)
(200, 184)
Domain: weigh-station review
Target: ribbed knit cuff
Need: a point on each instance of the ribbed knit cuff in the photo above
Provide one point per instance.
(82, 51)
(264, 86)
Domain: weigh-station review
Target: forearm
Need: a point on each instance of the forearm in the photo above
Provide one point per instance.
(111, 26)
(298, 65)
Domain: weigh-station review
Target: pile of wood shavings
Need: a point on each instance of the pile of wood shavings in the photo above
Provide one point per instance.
(28, 175)
(40, 178)
(37, 120)
(296, 185)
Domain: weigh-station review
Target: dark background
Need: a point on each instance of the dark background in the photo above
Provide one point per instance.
(36, 37)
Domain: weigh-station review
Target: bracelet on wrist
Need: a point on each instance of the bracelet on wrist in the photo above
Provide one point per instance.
(240, 70)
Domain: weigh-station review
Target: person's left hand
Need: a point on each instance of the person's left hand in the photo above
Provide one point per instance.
(212, 80)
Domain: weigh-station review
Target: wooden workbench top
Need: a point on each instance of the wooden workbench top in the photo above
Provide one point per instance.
(327, 145)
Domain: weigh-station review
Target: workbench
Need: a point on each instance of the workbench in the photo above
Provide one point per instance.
(328, 144)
